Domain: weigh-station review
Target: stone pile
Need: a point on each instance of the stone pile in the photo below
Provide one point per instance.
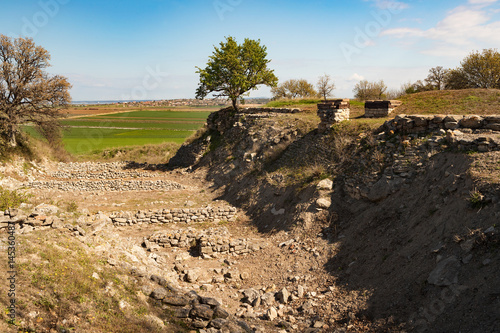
(106, 185)
(207, 243)
(175, 215)
(331, 112)
(379, 108)
(202, 313)
(42, 216)
(423, 123)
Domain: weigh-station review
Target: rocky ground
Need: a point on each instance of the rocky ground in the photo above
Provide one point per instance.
(384, 233)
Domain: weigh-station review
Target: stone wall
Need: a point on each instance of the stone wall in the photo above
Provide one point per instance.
(206, 243)
(106, 185)
(426, 123)
(175, 215)
(331, 112)
(224, 119)
(379, 108)
(469, 132)
(271, 110)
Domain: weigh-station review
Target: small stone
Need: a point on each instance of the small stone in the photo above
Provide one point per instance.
(283, 296)
(325, 184)
(486, 262)
(272, 314)
(324, 203)
(300, 291)
(467, 259)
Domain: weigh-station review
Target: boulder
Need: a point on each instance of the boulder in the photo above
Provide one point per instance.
(202, 311)
(324, 203)
(445, 273)
(471, 121)
(325, 185)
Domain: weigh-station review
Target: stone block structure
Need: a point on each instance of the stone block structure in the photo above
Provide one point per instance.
(331, 112)
(379, 108)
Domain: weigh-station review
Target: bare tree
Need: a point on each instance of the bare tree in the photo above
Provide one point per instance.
(325, 86)
(437, 77)
(27, 92)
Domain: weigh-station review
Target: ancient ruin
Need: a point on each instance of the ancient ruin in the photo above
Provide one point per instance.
(379, 108)
(331, 112)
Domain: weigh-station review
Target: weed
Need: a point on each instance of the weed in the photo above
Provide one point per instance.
(12, 199)
(72, 207)
(476, 199)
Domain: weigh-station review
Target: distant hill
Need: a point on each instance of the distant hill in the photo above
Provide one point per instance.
(467, 101)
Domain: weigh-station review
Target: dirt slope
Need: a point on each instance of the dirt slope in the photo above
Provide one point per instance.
(412, 228)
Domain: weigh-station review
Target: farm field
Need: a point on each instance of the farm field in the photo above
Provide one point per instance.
(90, 134)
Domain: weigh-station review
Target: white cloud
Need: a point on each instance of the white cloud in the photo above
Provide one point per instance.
(482, 2)
(464, 28)
(356, 77)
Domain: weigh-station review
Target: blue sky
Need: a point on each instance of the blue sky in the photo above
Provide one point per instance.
(148, 49)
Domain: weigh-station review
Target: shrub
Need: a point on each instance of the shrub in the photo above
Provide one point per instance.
(11, 199)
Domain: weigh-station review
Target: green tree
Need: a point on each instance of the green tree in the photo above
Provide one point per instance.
(365, 90)
(232, 70)
(456, 79)
(482, 70)
(27, 92)
(293, 89)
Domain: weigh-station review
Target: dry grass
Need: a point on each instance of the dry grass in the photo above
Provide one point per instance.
(55, 285)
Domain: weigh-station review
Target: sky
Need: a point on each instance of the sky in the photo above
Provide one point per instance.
(149, 49)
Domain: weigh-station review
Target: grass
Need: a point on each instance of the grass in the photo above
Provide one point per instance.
(56, 278)
(155, 115)
(467, 101)
(292, 102)
(189, 126)
(94, 135)
(94, 140)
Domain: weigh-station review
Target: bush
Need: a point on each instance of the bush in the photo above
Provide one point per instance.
(11, 199)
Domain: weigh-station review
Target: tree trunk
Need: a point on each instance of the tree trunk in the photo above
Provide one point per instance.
(235, 104)
(11, 134)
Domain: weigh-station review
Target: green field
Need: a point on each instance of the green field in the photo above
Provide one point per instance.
(89, 134)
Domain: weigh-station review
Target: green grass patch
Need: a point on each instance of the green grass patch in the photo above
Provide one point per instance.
(154, 115)
(189, 126)
(85, 140)
(292, 102)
